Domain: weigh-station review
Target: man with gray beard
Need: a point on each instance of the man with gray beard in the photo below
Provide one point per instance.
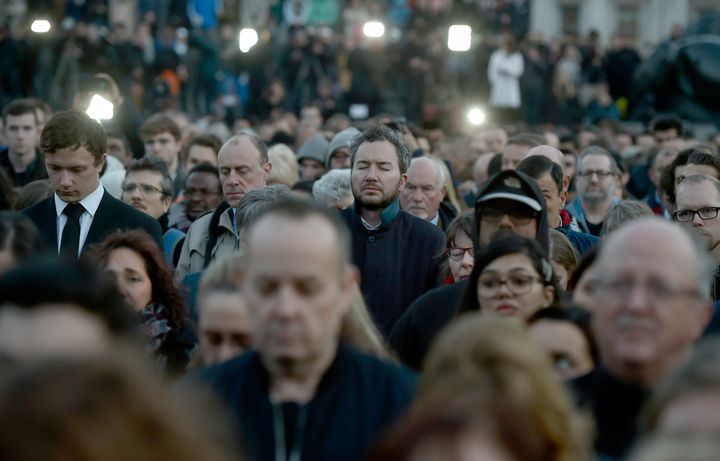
(651, 304)
(596, 183)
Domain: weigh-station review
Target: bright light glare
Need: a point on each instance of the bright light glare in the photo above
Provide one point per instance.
(374, 29)
(476, 116)
(248, 39)
(459, 38)
(100, 108)
(40, 26)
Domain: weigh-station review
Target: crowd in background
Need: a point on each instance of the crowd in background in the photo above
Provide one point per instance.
(238, 265)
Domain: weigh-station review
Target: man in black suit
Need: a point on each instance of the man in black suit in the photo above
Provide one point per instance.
(80, 213)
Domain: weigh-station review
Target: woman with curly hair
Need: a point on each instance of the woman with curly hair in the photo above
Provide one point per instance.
(136, 263)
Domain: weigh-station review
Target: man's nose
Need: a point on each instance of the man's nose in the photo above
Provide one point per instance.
(468, 260)
(505, 221)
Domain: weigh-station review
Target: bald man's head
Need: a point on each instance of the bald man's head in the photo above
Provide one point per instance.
(550, 152)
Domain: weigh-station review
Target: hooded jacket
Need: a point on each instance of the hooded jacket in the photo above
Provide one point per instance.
(416, 329)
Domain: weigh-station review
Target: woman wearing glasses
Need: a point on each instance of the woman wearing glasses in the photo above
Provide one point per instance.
(459, 249)
(512, 277)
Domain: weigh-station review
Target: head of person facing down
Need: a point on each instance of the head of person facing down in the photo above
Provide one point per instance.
(379, 162)
(497, 358)
(424, 190)
(459, 247)
(297, 295)
(243, 165)
(100, 407)
(148, 187)
(138, 267)
(74, 147)
(512, 276)
(653, 299)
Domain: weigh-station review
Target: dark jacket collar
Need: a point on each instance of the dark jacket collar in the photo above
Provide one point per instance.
(387, 216)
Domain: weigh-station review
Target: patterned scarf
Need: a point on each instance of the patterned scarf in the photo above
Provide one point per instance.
(154, 325)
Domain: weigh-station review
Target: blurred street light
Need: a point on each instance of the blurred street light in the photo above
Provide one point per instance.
(248, 38)
(476, 116)
(459, 37)
(100, 108)
(374, 29)
(40, 26)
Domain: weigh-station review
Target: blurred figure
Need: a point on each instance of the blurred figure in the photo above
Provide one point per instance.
(667, 131)
(201, 148)
(596, 187)
(623, 213)
(564, 257)
(504, 71)
(285, 165)
(19, 240)
(334, 190)
(21, 159)
(338, 153)
(118, 146)
(33, 193)
(298, 370)
(100, 409)
(51, 308)
(651, 304)
(583, 281)
(137, 265)
(657, 163)
(497, 358)
(517, 148)
(161, 136)
(565, 333)
(311, 157)
(223, 319)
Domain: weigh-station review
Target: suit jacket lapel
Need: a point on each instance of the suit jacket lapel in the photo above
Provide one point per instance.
(102, 221)
(50, 225)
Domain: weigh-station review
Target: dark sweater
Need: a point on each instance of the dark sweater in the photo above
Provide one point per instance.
(398, 262)
(35, 170)
(357, 398)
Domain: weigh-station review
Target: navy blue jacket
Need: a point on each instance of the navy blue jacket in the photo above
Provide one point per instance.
(357, 398)
(580, 240)
(398, 262)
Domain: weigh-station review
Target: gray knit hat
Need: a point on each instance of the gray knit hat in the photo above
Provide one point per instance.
(342, 139)
(314, 148)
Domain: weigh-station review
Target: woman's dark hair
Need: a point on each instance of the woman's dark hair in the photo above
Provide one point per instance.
(511, 244)
(19, 235)
(49, 280)
(164, 290)
(692, 156)
(33, 193)
(588, 259)
(571, 313)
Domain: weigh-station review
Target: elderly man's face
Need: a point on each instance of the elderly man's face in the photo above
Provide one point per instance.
(296, 294)
(241, 169)
(595, 180)
(648, 309)
(423, 192)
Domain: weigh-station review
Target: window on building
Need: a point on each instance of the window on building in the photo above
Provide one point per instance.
(569, 16)
(627, 21)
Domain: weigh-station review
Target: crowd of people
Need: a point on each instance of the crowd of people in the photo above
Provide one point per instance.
(279, 281)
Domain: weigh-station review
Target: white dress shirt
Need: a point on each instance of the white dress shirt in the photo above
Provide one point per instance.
(90, 203)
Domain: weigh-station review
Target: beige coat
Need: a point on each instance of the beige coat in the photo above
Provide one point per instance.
(192, 256)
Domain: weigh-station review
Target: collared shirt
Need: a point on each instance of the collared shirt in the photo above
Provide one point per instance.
(436, 219)
(91, 203)
(367, 226)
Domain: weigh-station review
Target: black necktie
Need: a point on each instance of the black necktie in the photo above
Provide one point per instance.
(71, 232)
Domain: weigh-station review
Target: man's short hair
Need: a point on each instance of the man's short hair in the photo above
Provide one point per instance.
(204, 140)
(667, 122)
(624, 212)
(20, 107)
(205, 168)
(692, 156)
(153, 164)
(383, 133)
(597, 150)
(257, 200)
(538, 166)
(157, 124)
(72, 129)
(255, 141)
(701, 178)
(298, 209)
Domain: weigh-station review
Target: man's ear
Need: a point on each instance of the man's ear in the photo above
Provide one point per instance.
(403, 181)
(267, 168)
(444, 192)
(166, 202)
(101, 162)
